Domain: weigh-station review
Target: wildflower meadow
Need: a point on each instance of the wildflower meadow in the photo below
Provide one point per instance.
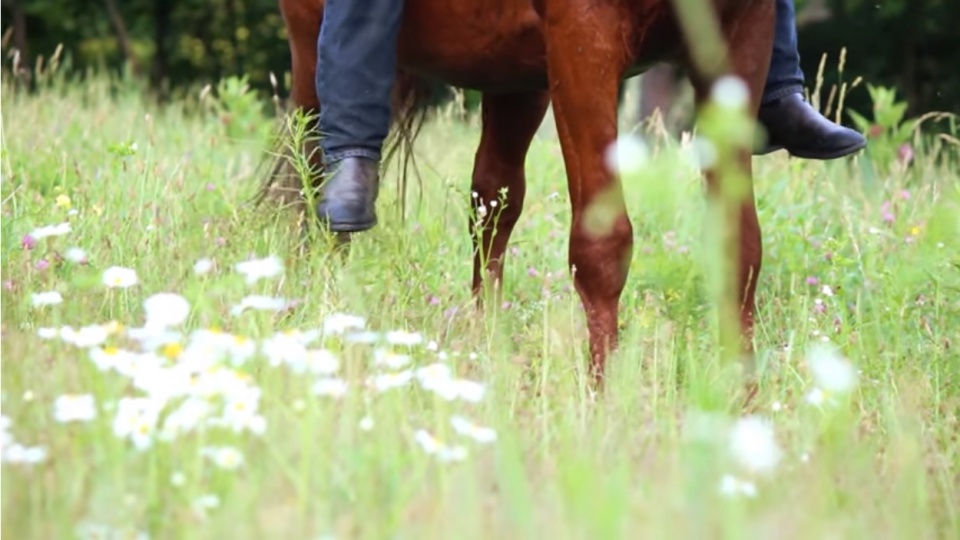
(178, 363)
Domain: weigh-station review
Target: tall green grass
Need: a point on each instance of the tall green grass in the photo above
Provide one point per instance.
(859, 253)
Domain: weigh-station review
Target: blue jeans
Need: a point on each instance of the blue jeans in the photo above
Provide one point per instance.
(785, 76)
(356, 67)
(357, 64)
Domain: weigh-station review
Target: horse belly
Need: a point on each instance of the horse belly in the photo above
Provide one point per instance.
(496, 45)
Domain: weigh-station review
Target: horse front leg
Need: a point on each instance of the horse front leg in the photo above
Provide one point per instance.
(586, 59)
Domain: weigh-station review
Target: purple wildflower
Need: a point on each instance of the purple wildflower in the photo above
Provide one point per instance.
(887, 212)
(905, 153)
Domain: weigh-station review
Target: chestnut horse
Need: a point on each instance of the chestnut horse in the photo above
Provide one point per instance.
(524, 55)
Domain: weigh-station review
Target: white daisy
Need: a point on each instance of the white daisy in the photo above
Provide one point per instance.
(74, 408)
(178, 479)
(338, 323)
(241, 349)
(203, 504)
(47, 332)
(86, 337)
(225, 457)
(753, 444)
(330, 387)
(400, 337)
(256, 269)
(321, 362)
(120, 277)
(51, 230)
(281, 349)
(732, 486)
(831, 371)
(434, 446)
(48, 298)
(166, 309)
(386, 381)
(467, 428)
(202, 266)
(136, 419)
(471, 391)
(432, 375)
(75, 255)
(386, 358)
(19, 454)
(186, 418)
(259, 302)
(107, 358)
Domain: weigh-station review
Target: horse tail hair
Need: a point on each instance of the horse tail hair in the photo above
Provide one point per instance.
(409, 109)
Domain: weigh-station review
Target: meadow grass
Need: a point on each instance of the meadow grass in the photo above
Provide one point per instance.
(859, 255)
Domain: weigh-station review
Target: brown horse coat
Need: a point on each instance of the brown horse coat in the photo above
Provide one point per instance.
(525, 54)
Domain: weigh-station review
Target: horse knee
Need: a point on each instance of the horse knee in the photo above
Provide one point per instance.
(498, 191)
(601, 262)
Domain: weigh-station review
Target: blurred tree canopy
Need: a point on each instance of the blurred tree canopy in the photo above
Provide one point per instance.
(177, 46)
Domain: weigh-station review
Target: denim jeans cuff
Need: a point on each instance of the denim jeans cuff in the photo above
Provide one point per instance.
(332, 157)
(781, 92)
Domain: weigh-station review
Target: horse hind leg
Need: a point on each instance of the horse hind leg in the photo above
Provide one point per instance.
(499, 184)
(302, 21)
(586, 59)
(750, 43)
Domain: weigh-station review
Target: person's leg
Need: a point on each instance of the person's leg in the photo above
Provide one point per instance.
(785, 77)
(356, 67)
(791, 122)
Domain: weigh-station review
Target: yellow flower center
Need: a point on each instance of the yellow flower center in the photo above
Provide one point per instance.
(172, 350)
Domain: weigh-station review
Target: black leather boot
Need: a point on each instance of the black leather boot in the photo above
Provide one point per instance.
(794, 125)
(349, 196)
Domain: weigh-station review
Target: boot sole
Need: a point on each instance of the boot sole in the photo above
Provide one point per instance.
(843, 152)
(767, 150)
(815, 155)
(350, 227)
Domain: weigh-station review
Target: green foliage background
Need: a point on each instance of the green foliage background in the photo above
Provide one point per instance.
(180, 45)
